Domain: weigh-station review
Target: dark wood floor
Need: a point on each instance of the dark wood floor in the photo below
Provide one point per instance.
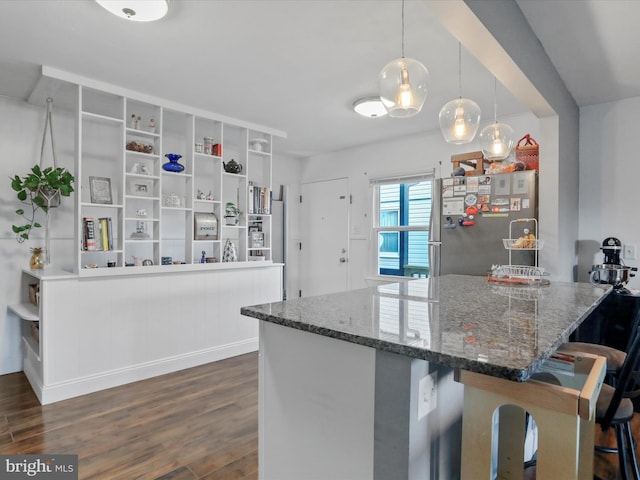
(200, 423)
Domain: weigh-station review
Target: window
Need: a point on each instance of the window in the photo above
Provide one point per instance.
(402, 225)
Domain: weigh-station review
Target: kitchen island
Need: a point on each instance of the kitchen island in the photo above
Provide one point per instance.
(360, 384)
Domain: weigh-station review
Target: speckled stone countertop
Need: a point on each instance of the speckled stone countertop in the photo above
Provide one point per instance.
(455, 320)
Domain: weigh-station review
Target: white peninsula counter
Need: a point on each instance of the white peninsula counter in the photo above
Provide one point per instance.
(120, 325)
(360, 384)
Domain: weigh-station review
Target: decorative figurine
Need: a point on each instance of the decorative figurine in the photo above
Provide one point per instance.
(200, 195)
(229, 254)
(210, 196)
(204, 257)
(152, 125)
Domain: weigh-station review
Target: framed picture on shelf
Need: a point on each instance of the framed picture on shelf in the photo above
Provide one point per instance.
(256, 239)
(141, 188)
(100, 188)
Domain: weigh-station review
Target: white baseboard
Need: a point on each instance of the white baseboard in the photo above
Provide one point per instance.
(101, 381)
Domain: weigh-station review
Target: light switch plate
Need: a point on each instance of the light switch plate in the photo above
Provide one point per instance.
(629, 252)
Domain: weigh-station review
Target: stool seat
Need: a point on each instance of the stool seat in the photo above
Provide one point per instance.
(623, 413)
(615, 358)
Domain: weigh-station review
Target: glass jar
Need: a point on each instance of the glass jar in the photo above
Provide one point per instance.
(199, 147)
(208, 145)
(37, 258)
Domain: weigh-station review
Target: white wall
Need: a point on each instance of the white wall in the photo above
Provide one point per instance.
(21, 127)
(609, 180)
(287, 172)
(410, 154)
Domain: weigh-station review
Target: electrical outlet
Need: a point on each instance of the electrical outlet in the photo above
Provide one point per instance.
(629, 251)
(427, 394)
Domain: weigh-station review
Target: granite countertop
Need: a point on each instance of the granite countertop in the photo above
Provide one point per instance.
(459, 321)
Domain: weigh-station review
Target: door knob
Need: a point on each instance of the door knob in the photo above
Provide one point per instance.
(343, 260)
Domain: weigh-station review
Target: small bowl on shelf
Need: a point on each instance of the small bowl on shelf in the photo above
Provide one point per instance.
(258, 144)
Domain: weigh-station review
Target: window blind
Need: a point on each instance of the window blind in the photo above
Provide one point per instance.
(408, 178)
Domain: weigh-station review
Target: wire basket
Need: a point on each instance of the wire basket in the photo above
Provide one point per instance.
(523, 271)
(517, 275)
(528, 152)
(522, 243)
(520, 293)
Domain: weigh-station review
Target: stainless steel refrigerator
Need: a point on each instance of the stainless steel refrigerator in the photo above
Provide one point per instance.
(471, 216)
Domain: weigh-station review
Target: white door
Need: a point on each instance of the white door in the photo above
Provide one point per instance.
(325, 237)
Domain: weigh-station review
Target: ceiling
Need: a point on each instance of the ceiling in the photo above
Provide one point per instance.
(298, 66)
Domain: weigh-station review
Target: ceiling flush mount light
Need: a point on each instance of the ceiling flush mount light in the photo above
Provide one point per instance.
(403, 84)
(370, 107)
(496, 139)
(137, 10)
(459, 118)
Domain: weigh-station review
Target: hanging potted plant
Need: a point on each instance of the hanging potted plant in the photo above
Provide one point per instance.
(41, 189)
(231, 213)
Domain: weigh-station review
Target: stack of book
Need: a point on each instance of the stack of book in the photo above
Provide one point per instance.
(97, 235)
(259, 200)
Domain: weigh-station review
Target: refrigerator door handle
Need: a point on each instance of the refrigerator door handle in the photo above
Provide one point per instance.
(434, 258)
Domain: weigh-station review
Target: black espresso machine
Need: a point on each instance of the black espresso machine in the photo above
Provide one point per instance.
(611, 322)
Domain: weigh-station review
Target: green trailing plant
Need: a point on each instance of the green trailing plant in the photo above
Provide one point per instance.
(36, 190)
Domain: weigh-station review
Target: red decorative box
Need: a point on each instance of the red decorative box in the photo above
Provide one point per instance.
(216, 150)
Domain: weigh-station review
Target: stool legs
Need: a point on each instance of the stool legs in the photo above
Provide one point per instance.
(512, 428)
(559, 447)
(477, 436)
(626, 452)
(632, 451)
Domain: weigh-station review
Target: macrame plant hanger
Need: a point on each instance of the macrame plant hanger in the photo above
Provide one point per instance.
(50, 196)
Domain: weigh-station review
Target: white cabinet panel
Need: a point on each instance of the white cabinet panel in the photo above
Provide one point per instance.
(101, 332)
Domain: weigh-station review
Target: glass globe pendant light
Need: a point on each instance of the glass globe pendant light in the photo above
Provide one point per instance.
(403, 84)
(496, 139)
(459, 118)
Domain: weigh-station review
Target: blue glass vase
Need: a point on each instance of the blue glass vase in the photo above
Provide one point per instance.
(172, 165)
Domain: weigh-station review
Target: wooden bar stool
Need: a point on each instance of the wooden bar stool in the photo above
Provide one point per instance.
(614, 407)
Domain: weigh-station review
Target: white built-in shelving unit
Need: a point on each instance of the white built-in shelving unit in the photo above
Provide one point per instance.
(143, 195)
(111, 321)
(164, 204)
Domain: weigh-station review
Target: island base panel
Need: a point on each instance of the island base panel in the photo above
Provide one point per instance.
(333, 409)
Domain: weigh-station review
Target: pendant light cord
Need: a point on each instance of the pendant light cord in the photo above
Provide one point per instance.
(459, 70)
(495, 100)
(48, 122)
(402, 28)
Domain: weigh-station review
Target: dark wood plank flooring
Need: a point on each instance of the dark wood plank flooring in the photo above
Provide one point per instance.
(200, 423)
